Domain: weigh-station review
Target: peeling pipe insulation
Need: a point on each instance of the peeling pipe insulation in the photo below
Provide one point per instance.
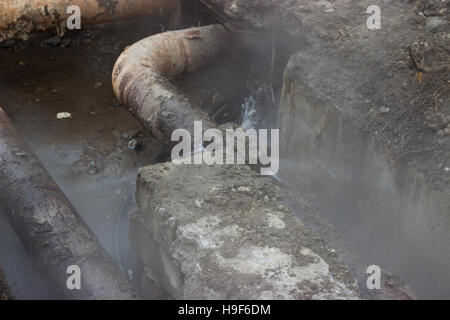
(49, 226)
(18, 18)
(141, 77)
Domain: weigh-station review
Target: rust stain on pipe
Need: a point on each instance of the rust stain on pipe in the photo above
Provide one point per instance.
(141, 76)
(20, 17)
(49, 226)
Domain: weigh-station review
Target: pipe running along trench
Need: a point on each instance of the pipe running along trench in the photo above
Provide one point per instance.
(42, 216)
(49, 226)
(18, 18)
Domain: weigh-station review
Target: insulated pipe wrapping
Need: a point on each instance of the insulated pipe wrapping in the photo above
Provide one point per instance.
(141, 77)
(49, 226)
(20, 17)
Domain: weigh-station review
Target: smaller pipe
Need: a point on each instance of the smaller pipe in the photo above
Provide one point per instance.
(49, 226)
(141, 77)
(18, 18)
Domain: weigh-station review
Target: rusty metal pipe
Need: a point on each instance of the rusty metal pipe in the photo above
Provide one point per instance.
(20, 17)
(141, 76)
(49, 226)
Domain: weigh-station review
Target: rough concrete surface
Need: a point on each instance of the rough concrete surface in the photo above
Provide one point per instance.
(229, 237)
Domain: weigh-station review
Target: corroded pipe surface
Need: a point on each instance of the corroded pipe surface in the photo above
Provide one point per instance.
(140, 76)
(20, 17)
(49, 226)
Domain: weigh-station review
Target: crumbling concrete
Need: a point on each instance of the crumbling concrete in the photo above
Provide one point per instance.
(221, 232)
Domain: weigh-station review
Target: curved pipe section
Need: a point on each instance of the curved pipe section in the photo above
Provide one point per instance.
(141, 77)
(49, 226)
(20, 17)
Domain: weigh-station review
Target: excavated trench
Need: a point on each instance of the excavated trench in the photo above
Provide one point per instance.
(91, 155)
(94, 155)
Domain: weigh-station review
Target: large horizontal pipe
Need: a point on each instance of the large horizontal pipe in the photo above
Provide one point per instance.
(141, 76)
(20, 17)
(49, 226)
